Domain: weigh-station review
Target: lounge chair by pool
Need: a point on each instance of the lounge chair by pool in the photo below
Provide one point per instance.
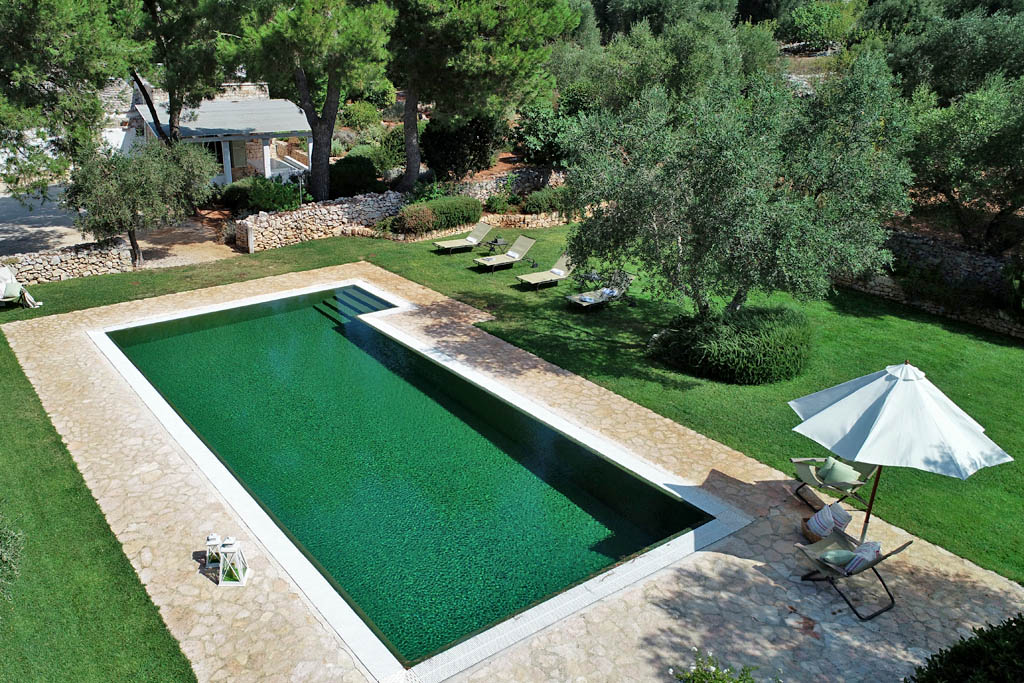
(556, 274)
(599, 297)
(468, 242)
(810, 473)
(514, 255)
(11, 291)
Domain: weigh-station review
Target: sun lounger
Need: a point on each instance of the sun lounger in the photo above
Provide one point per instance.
(558, 272)
(468, 242)
(599, 297)
(514, 255)
(833, 573)
(807, 473)
(11, 291)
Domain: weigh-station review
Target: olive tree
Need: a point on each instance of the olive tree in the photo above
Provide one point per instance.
(155, 186)
(719, 196)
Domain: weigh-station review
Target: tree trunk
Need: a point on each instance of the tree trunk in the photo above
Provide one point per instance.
(136, 249)
(321, 124)
(410, 121)
(738, 300)
(149, 105)
(998, 233)
(174, 107)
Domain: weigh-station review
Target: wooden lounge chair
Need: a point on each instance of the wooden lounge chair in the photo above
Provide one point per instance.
(468, 242)
(807, 473)
(616, 289)
(825, 571)
(514, 255)
(558, 272)
(11, 291)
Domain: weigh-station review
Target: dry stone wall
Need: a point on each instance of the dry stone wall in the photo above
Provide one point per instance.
(525, 221)
(519, 181)
(345, 216)
(65, 263)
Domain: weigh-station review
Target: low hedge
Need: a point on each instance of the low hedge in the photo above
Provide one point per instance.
(993, 653)
(436, 214)
(749, 346)
(235, 196)
(352, 175)
(498, 203)
(547, 200)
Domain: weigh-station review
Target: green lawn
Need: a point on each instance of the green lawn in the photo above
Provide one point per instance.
(89, 605)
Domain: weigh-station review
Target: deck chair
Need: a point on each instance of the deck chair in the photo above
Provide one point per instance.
(11, 291)
(807, 473)
(515, 254)
(468, 242)
(556, 274)
(616, 289)
(825, 571)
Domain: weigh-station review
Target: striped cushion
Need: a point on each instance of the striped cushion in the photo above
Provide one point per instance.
(841, 517)
(864, 554)
(821, 523)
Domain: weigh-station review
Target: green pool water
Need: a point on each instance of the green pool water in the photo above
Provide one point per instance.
(433, 507)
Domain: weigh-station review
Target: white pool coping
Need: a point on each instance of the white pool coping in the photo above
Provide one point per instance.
(364, 643)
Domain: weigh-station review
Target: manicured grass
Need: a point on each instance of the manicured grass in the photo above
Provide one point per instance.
(91, 606)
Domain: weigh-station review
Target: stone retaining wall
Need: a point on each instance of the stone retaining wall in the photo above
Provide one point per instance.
(954, 263)
(525, 221)
(523, 180)
(78, 260)
(345, 216)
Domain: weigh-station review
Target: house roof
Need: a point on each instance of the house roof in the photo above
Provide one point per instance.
(235, 118)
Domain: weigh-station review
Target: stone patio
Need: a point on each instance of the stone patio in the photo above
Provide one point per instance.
(740, 598)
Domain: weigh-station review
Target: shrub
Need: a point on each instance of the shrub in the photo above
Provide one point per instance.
(425, 191)
(497, 203)
(365, 151)
(352, 175)
(707, 669)
(749, 346)
(454, 149)
(547, 200)
(437, 214)
(361, 115)
(381, 94)
(819, 24)
(337, 148)
(11, 544)
(235, 196)
(542, 136)
(268, 194)
(991, 654)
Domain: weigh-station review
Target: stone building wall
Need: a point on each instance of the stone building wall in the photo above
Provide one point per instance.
(79, 260)
(345, 216)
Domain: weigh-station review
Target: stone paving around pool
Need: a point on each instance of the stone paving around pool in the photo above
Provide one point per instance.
(740, 597)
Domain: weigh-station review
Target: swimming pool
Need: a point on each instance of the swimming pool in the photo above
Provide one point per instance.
(435, 508)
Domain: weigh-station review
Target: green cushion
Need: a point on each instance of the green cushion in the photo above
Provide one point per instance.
(11, 290)
(837, 556)
(836, 472)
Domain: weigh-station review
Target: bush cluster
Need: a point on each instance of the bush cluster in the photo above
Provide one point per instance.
(235, 196)
(268, 194)
(456, 148)
(498, 203)
(361, 115)
(749, 346)
(991, 654)
(352, 175)
(542, 136)
(547, 200)
(436, 214)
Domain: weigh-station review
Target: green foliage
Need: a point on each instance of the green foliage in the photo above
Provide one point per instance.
(56, 57)
(955, 56)
(542, 136)
(707, 669)
(617, 16)
(157, 185)
(547, 200)
(235, 196)
(437, 214)
(361, 115)
(748, 346)
(380, 93)
(690, 192)
(268, 194)
(390, 153)
(819, 24)
(971, 153)
(426, 191)
(12, 542)
(759, 52)
(337, 148)
(1014, 274)
(991, 654)
(498, 203)
(354, 174)
(454, 148)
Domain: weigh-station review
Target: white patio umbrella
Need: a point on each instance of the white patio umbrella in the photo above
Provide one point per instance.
(896, 417)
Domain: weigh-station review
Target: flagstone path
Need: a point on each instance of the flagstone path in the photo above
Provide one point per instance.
(740, 597)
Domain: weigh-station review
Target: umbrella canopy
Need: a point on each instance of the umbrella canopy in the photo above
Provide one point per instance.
(897, 417)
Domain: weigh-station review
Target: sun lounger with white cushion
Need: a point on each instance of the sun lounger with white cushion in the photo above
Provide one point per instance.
(468, 242)
(558, 272)
(515, 254)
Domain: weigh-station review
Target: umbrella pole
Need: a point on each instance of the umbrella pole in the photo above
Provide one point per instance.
(871, 504)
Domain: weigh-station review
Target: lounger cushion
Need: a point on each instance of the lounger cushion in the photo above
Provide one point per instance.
(836, 472)
(11, 290)
(821, 522)
(838, 556)
(472, 240)
(557, 271)
(513, 254)
(865, 553)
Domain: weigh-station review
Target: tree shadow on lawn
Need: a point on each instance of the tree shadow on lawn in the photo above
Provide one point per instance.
(743, 599)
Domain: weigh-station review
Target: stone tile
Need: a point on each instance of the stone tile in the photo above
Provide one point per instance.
(740, 598)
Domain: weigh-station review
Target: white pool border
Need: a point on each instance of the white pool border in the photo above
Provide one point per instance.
(364, 643)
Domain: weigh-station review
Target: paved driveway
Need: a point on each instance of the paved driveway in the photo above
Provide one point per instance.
(36, 226)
